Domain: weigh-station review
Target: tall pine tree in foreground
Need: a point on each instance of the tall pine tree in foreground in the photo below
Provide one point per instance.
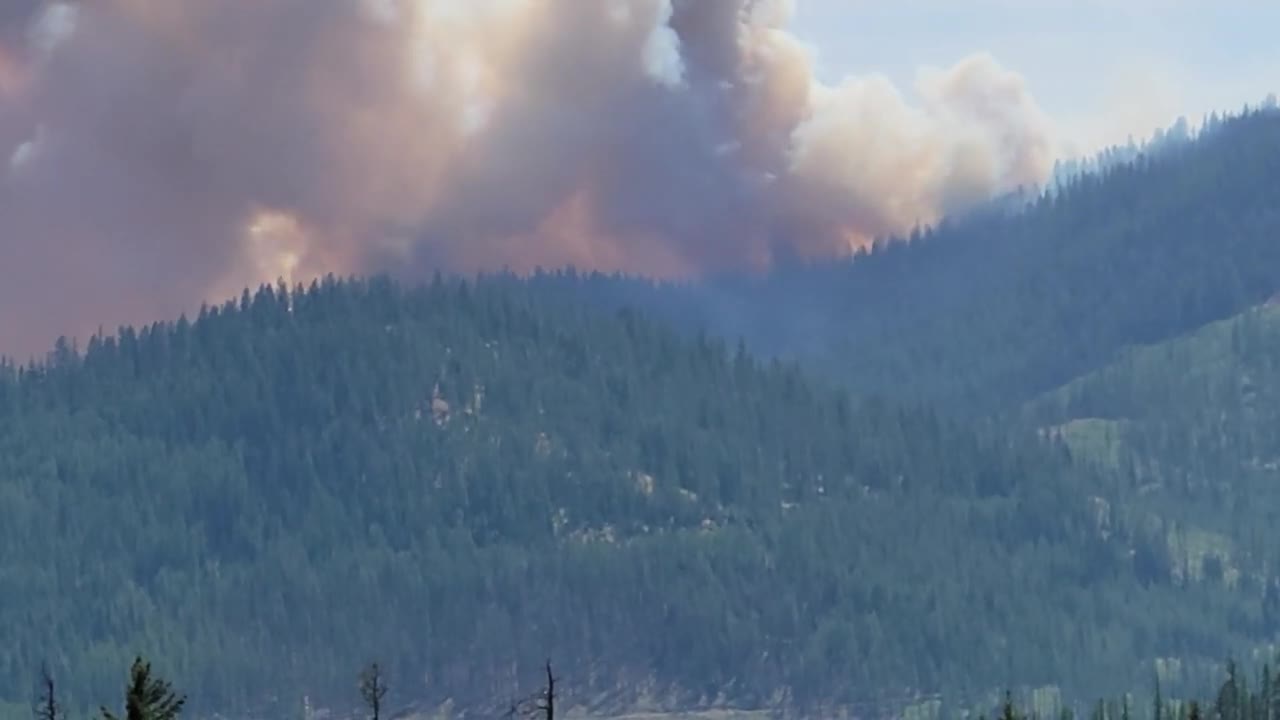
(147, 697)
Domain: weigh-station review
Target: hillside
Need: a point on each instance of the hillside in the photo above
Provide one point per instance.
(986, 312)
(1192, 422)
(463, 479)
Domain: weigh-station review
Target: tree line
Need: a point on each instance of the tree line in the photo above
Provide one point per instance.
(147, 696)
(484, 465)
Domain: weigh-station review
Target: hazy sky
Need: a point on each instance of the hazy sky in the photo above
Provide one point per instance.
(1100, 68)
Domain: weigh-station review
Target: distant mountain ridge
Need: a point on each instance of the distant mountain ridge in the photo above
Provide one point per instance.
(982, 314)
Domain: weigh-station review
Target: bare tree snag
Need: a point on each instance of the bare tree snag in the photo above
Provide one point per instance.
(539, 705)
(46, 701)
(549, 702)
(373, 689)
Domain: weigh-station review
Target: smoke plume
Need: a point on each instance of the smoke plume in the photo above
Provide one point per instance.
(154, 154)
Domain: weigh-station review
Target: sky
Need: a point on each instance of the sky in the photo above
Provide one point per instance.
(1101, 69)
(156, 155)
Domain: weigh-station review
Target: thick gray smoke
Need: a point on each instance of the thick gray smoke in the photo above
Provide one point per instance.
(154, 154)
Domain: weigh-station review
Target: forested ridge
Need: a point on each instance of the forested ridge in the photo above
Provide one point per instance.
(983, 313)
(1008, 452)
(463, 478)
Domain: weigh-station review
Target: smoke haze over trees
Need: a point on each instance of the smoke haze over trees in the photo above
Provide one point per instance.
(156, 155)
(1032, 444)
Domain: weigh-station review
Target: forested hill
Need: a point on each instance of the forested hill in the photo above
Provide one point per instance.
(986, 312)
(1193, 423)
(462, 479)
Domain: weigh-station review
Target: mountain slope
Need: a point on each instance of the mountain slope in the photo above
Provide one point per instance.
(986, 312)
(463, 479)
(1193, 423)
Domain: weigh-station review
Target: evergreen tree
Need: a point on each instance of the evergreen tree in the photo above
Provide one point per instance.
(147, 697)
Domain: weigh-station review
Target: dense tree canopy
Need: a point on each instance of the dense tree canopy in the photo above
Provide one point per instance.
(1193, 424)
(463, 478)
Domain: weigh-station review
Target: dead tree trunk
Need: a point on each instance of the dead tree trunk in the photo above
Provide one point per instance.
(537, 705)
(373, 688)
(550, 705)
(46, 702)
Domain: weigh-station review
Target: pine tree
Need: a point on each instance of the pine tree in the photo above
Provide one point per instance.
(1007, 711)
(147, 697)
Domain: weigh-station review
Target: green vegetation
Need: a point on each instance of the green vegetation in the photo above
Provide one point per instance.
(1235, 699)
(984, 313)
(148, 697)
(1034, 449)
(462, 478)
(1124, 316)
(1193, 424)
